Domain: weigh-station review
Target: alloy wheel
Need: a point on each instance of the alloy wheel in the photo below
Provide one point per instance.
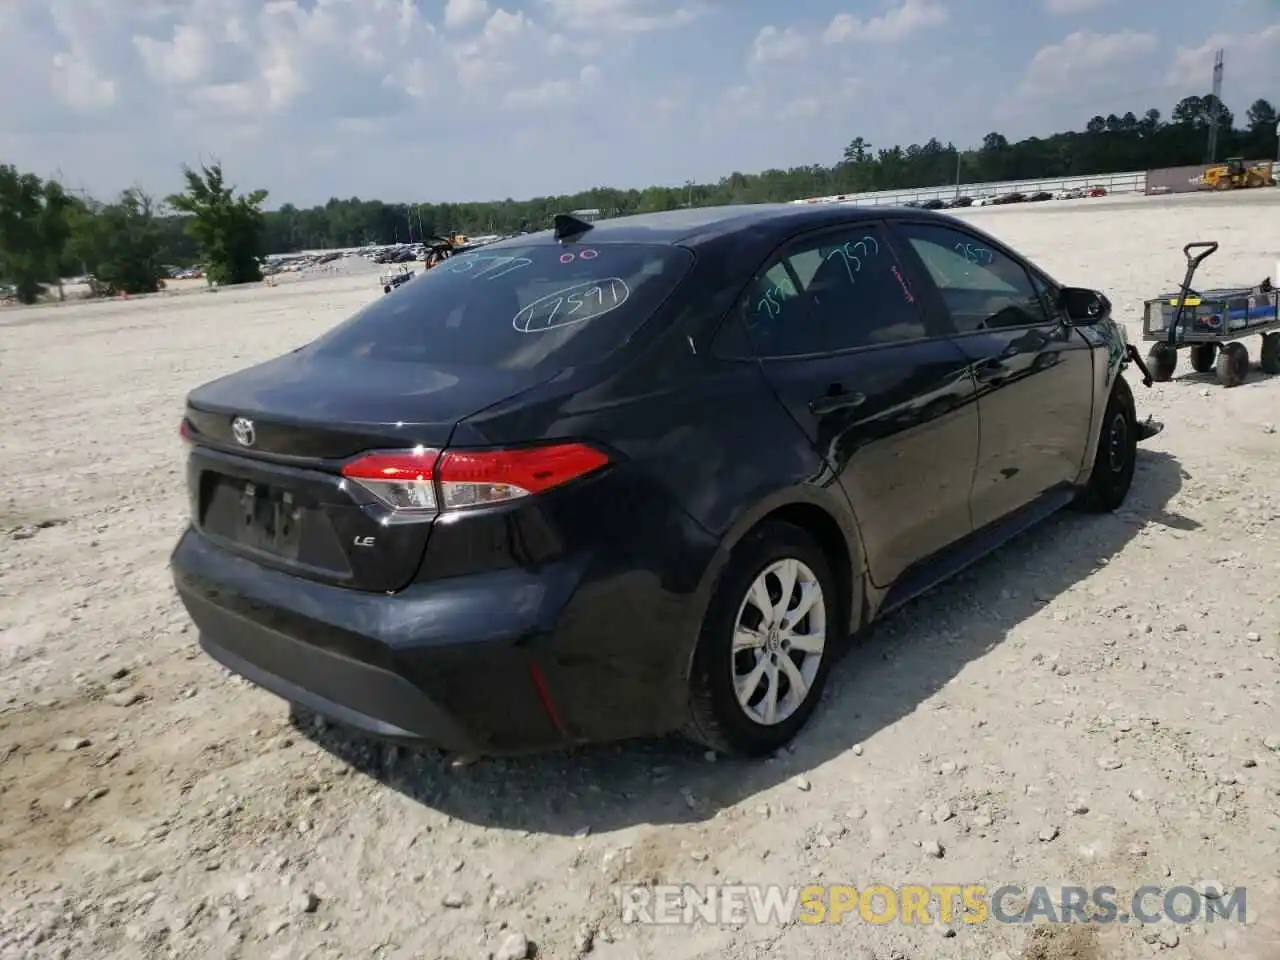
(779, 639)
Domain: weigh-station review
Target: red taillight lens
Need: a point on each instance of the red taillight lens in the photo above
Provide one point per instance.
(403, 481)
(184, 431)
(474, 477)
(428, 481)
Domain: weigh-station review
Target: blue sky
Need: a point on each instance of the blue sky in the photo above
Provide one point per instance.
(434, 100)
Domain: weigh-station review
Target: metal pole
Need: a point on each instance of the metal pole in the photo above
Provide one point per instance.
(957, 174)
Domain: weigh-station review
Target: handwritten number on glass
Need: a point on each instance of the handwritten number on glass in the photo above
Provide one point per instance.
(854, 253)
(574, 304)
(770, 304)
(980, 256)
(488, 267)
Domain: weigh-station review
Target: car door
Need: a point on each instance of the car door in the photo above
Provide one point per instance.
(1034, 373)
(886, 398)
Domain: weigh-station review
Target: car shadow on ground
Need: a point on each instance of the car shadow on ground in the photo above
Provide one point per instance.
(886, 675)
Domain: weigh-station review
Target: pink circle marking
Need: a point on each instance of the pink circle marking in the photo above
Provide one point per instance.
(589, 254)
(566, 258)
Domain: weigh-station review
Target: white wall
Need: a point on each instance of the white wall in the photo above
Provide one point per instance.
(1111, 182)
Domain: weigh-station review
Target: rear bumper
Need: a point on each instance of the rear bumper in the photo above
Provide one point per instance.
(500, 662)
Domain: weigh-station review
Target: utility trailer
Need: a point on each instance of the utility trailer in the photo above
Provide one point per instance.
(395, 278)
(1211, 323)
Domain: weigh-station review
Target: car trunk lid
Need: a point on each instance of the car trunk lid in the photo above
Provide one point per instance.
(269, 443)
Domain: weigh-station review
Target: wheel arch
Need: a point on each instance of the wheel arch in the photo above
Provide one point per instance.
(834, 528)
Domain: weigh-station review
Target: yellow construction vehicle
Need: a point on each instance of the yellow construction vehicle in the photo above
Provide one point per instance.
(1234, 174)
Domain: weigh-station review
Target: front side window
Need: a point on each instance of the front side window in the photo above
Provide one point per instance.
(832, 293)
(982, 288)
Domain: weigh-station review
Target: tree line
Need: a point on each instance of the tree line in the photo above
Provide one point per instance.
(126, 244)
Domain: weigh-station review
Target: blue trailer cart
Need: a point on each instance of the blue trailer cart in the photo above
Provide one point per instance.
(1211, 323)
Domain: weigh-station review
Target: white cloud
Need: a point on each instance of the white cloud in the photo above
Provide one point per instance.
(80, 84)
(554, 93)
(623, 16)
(464, 13)
(1064, 8)
(1252, 54)
(184, 58)
(1084, 61)
(772, 44)
(896, 23)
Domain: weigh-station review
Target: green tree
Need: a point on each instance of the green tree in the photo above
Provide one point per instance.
(1261, 117)
(33, 232)
(120, 244)
(228, 228)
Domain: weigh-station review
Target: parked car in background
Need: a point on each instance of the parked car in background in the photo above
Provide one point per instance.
(642, 475)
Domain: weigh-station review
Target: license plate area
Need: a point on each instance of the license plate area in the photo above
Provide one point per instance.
(270, 520)
(254, 516)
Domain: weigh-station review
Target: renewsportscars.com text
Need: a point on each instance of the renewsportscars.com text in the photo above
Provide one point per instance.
(925, 904)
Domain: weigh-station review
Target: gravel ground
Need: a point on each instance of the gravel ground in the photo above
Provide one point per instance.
(1093, 705)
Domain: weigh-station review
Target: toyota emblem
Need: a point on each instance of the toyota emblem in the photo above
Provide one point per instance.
(243, 431)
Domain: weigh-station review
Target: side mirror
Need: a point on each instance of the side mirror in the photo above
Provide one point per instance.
(1083, 306)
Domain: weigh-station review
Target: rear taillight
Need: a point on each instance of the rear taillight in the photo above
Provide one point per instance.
(426, 481)
(184, 431)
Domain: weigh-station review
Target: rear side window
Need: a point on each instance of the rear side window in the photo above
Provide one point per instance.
(838, 291)
(515, 307)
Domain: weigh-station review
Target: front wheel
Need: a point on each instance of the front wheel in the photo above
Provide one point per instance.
(1117, 455)
(765, 648)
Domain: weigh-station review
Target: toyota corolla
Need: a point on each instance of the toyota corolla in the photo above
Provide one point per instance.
(642, 475)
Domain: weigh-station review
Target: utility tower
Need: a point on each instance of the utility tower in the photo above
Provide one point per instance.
(1215, 109)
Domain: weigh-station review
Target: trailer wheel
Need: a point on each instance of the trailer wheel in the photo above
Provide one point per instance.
(1202, 357)
(1163, 360)
(387, 288)
(1270, 358)
(1233, 364)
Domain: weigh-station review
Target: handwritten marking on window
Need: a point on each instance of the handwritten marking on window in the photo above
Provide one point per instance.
(770, 304)
(489, 267)
(902, 282)
(854, 253)
(587, 254)
(572, 304)
(979, 256)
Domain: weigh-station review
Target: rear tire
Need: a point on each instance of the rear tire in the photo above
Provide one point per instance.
(1269, 359)
(1233, 364)
(1203, 356)
(1162, 360)
(750, 657)
(1117, 456)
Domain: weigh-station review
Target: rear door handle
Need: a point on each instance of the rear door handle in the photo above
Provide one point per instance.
(836, 398)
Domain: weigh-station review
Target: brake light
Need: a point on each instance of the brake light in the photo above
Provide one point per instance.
(427, 481)
(403, 481)
(184, 431)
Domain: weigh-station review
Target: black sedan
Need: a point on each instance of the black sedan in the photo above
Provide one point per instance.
(643, 475)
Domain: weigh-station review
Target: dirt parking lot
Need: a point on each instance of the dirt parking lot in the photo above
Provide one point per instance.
(1094, 705)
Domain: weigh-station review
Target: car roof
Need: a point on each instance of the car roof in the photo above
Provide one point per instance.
(697, 225)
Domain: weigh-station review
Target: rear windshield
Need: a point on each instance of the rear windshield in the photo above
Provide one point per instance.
(515, 307)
